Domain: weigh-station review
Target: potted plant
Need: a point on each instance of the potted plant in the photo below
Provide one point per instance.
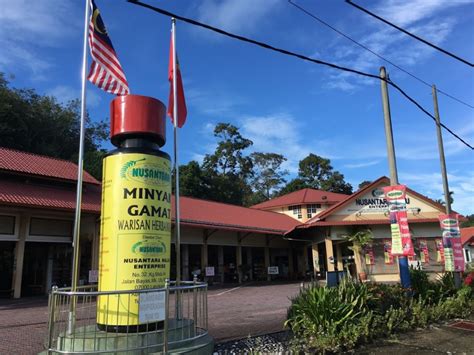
(360, 239)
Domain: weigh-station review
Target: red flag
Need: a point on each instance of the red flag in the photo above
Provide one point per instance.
(182, 111)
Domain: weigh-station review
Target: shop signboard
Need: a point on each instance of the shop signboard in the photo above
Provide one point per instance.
(439, 250)
(369, 255)
(401, 237)
(453, 253)
(93, 276)
(210, 271)
(273, 270)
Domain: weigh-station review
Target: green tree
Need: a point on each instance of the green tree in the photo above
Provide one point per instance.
(267, 173)
(192, 181)
(293, 185)
(317, 173)
(39, 124)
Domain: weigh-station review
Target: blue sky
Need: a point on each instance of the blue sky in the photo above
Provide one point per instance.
(283, 104)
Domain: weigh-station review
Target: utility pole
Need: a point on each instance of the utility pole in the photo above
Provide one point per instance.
(444, 175)
(392, 163)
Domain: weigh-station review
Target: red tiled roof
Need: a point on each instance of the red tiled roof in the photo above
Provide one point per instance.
(360, 192)
(40, 165)
(194, 212)
(303, 196)
(51, 197)
(209, 214)
(467, 236)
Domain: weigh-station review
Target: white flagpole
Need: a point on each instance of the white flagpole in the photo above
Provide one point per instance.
(80, 171)
(176, 165)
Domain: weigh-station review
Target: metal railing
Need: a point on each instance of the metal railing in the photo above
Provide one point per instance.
(107, 322)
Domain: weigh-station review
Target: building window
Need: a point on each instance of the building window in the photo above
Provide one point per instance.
(296, 211)
(7, 225)
(311, 209)
(467, 255)
(50, 227)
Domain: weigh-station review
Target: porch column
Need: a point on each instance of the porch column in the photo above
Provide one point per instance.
(220, 261)
(291, 269)
(340, 264)
(250, 262)
(185, 262)
(19, 255)
(267, 262)
(49, 269)
(315, 253)
(95, 248)
(305, 260)
(329, 254)
(204, 254)
(238, 260)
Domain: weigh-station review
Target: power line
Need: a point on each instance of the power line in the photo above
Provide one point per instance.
(292, 54)
(410, 34)
(375, 53)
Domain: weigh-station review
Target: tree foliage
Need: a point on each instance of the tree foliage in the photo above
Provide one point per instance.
(39, 124)
(268, 175)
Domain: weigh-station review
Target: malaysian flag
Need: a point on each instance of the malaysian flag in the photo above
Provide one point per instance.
(106, 71)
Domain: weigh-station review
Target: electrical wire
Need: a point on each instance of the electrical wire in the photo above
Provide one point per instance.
(410, 34)
(292, 54)
(375, 53)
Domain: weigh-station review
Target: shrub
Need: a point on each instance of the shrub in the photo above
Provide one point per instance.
(334, 319)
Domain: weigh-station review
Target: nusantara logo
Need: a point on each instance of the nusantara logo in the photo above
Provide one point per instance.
(449, 222)
(147, 248)
(146, 172)
(377, 192)
(394, 194)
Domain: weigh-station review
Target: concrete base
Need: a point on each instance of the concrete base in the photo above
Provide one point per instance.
(90, 340)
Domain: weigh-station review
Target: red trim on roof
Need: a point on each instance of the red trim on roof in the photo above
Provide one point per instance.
(39, 165)
(365, 222)
(467, 235)
(304, 196)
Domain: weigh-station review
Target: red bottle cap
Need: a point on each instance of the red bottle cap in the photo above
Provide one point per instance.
(136, 116)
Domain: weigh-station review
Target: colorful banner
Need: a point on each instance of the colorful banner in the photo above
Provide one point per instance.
(401, 237)
(453, 253)
(369, 255)
(424, 252)
(387, 251)
(439, 250)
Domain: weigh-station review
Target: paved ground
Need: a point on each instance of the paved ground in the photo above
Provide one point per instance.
(234, 312)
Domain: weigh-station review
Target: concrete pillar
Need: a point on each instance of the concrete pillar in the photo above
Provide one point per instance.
(315, 254)
(267, 262)
(291, 270)
(250, 262)
(185, 262)
(19, 255)
(329, 254)
(305, 260)
(238, 261)
(340, 264)
(220, 261)
(49, 269)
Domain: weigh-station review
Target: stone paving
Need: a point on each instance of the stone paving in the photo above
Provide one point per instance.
(234, 312)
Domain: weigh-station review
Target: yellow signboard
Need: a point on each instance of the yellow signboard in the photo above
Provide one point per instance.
(135, 234)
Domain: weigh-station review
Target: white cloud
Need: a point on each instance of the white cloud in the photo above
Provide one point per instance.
(419, 16)
(26, 26)
(362, 164)
(430, 184)
(213, 102)
(241, 16)
(64, 94)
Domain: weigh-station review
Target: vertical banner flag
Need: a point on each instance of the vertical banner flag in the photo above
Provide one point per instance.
(106, 71)
(453, 254)
(369, 255)
(182, 111)
(387, 251)
(401, 238)
(424, 252)
(439, 250)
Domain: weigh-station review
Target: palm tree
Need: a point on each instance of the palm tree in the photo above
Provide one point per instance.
(360, 239)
